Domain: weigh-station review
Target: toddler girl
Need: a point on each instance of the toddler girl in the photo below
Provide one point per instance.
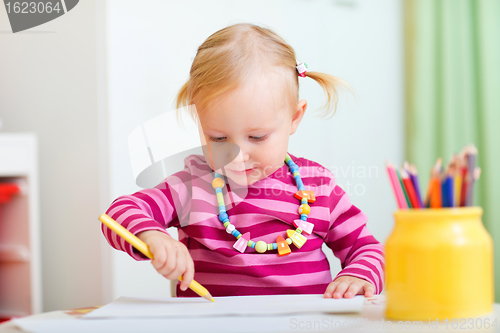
(257, 224)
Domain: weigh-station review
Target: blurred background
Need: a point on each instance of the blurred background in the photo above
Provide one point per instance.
(426, 75)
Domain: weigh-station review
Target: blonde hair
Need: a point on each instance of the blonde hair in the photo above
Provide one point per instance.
(231, 54)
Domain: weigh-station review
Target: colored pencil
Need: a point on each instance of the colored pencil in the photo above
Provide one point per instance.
(404, 189)
(447, 184)
(457, 181)
(476, 175)
(396, 186)
(414, 179)
(471, 166)
(452, 186)
(430, 189)
(435, 195)
(463, 173)
(412, 195)
(447, 191)
(144, 249)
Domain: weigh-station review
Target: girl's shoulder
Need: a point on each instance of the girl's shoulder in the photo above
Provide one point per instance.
(196, 164)
(313, 173)
(311, 168)
(195, 168)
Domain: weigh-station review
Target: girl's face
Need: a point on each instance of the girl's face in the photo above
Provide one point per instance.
(257, 119)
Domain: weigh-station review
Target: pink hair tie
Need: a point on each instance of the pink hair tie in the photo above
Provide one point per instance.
(301, 68)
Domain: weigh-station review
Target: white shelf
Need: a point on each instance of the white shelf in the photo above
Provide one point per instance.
(20, 267)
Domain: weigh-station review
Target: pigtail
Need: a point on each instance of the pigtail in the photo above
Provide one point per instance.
(332, 86)
(182, 96)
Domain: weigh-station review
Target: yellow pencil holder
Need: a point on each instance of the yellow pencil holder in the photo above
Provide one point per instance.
(439, 264)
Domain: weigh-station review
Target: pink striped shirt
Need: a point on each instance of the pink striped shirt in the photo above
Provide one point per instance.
(266, 209)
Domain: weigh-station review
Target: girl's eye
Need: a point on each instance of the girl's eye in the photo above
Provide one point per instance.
(218, 139)
(258, 138)
(254, 138)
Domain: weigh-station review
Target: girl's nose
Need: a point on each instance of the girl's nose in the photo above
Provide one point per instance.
(239, 163)
(245, 154)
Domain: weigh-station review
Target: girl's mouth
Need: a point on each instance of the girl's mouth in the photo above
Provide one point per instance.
(244, 172)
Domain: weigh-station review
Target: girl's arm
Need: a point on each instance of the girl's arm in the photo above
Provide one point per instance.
(149, 209)
(360, 254)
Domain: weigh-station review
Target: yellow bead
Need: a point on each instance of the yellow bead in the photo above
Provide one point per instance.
(261, 246)
(217, 182)
(304, 209)
(289, 241)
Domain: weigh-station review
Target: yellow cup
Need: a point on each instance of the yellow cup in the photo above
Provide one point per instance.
(439, 264)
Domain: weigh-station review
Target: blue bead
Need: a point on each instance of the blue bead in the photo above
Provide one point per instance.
(253, 245)
(218, 190)
(222, 209)
(294, 168)
(223, 216)
(290, 162)
(275, 246)
(303, 217)
(217, 175)
(235, 233)
(300, 185)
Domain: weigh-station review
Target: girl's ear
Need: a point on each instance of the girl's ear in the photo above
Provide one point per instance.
(297, 116)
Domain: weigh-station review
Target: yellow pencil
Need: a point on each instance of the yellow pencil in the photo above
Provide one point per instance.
(141, 246)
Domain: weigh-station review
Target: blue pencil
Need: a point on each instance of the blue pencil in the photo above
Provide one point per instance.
(447, 190)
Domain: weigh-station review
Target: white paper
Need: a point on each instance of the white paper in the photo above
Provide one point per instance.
(129, 307)
(237, 324)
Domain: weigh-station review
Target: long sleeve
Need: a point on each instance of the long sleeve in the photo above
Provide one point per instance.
(149, 209)
(360, 254)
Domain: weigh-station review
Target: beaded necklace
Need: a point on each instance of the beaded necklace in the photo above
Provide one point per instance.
(293, 236)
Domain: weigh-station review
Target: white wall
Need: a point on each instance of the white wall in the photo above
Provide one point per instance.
(49, 85)
(150, 48)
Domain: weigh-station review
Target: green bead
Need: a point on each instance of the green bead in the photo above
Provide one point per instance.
(220, 199)
(226, 224)
(298, 230)
(261, 246)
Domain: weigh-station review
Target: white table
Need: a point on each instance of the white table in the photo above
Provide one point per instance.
(372, 318)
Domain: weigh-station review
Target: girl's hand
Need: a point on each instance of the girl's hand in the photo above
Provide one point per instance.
(171, 257)
(349, 286)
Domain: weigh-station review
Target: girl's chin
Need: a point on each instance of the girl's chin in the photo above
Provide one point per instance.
(242, 180)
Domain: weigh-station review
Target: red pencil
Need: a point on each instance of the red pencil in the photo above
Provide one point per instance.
(464, 173)
(412, 195)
